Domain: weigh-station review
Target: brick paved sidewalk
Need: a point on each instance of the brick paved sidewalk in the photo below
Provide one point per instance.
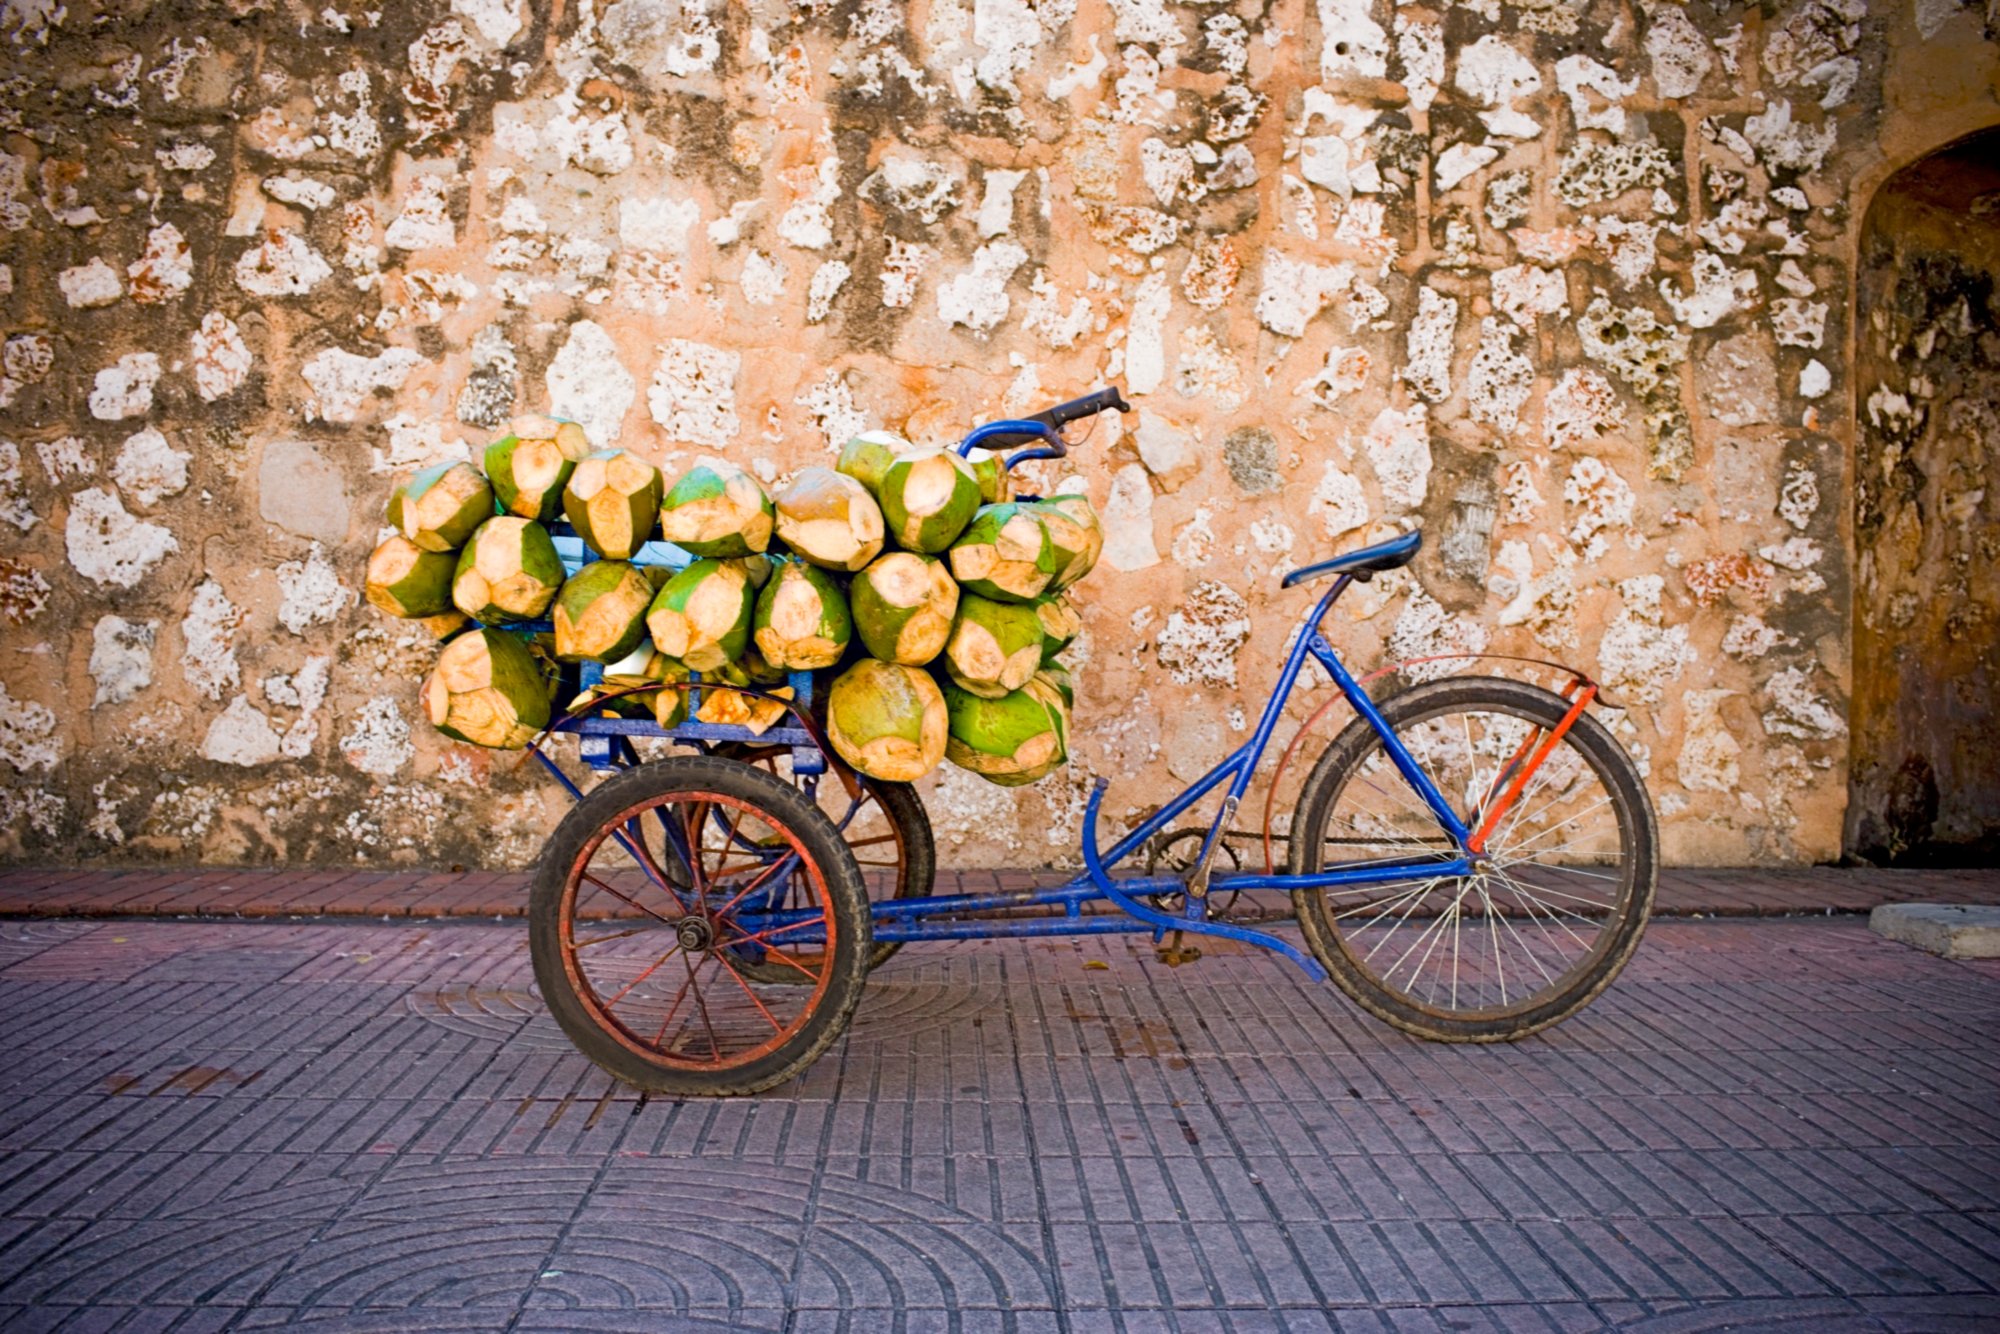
(235, 1126)
(212, 892)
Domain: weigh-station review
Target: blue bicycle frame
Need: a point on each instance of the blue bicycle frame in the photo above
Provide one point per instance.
(971, 916)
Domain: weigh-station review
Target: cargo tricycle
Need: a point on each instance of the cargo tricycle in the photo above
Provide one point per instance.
(1471, 858)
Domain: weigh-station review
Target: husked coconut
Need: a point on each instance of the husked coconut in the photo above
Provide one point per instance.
(928, 496)
(530, 465)
(866, 458)
(405, 580)
(996, 484)
(509, 571)
(717, 509)
(995, 647)
(1076, 534)
(442, 506)
(801, 622)
(488, 688)
(830, 519)
(1012, 740)
(612, 500)
(1061, 623)
(600, 613)
(903, 605)
(702, 614)
(1005, 554)
(887, 720)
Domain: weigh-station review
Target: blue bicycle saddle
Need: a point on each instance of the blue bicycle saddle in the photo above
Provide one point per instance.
(1363, 564)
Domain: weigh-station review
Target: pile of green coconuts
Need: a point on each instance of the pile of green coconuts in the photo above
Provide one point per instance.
(937, 600)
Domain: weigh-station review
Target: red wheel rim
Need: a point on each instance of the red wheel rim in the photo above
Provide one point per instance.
(686, 1005)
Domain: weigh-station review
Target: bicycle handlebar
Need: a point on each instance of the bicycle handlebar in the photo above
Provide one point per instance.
(1054, 419)
(1078, 408)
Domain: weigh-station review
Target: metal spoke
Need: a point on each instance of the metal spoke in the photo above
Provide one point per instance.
(672, 1010)
(770, 1018)
(620, 894)
(1493, 933)
(615, 935)
(1526, 948)
(701, 1004)
(1436, 925)
(650, 969)
(1600, 802)
(1531, 902)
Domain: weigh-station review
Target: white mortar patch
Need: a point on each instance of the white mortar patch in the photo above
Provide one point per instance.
(107, 545)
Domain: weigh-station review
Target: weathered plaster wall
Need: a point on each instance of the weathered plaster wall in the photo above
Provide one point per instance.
(1927, 527)
(1565, 280)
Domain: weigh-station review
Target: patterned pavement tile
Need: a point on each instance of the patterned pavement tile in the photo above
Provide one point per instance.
(229, 1125)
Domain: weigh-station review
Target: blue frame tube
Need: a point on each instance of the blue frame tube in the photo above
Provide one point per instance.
(1405, 763)
(1011, 928)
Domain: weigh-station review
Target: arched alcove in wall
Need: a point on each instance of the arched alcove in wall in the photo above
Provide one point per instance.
(1924, 778)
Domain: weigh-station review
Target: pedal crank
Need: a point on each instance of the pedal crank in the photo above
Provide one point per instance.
(1204, 868)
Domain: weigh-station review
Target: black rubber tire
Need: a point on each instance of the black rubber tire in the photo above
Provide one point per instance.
(905, 810)
(776, 801)
(1638, 828)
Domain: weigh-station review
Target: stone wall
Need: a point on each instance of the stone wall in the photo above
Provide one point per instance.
(1927, 517)
(1565, 281)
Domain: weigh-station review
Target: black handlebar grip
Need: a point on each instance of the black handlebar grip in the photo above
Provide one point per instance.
(1078, 408)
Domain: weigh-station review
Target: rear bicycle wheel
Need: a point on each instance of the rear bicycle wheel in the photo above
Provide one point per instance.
(643, 901)
(1558, 905)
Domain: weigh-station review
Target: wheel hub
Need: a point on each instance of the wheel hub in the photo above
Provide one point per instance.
(695, 934)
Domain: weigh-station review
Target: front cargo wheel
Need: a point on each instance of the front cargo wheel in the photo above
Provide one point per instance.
(647, 897)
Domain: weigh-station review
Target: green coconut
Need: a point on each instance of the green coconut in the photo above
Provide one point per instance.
(887, 720)
(509, 571)
(405, 580)
(717, 509)
(488, 688)
(530, 465)
(1012, 740)
(1006, 554)
(1061, 623)
(612, 499)
(702, 615)
(928, 496)
(903, 606)
(830, 519)
(801, 621)
(996, 484)
(1077, 533)
(442, 505)
(995, 647)
(1056, 677)
(600, 613)
(866, 458)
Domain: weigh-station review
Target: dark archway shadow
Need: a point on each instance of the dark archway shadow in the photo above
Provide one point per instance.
(1924, 773)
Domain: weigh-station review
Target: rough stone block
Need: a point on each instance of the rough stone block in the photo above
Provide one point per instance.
(303, 493)
(1954, 930)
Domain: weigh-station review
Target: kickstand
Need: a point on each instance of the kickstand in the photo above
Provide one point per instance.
(1176, 954)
